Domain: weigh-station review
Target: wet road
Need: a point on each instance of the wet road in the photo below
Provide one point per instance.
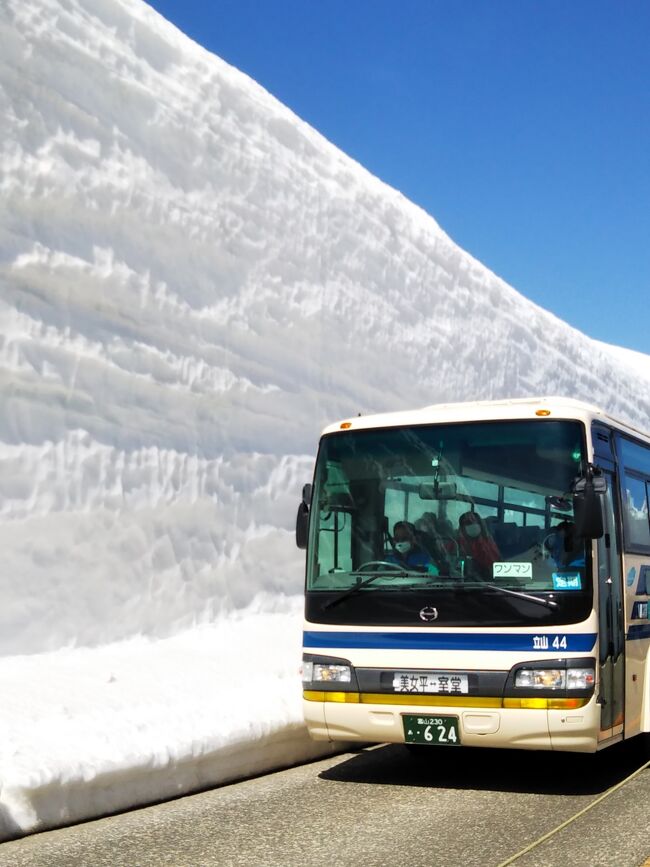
(382, 806)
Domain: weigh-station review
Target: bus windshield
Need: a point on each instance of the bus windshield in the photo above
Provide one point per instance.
(473, 519)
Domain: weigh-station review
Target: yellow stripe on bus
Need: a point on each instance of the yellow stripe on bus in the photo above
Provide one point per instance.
(532, 703)
(342, 697)
(430, 700)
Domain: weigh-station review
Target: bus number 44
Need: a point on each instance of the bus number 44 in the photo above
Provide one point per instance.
(540, 642)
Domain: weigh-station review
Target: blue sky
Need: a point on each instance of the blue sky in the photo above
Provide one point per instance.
(522, 126)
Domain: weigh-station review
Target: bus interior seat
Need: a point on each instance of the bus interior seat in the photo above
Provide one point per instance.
(427, 542)
(529, 536)
(506, 536)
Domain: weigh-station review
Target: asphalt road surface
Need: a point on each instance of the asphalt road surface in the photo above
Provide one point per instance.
(442, 807)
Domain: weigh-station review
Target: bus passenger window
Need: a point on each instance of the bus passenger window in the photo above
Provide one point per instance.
(635, 509)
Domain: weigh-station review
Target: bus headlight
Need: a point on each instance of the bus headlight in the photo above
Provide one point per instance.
(540, 678)
(325, 672)
(330, 673)
(555, 678)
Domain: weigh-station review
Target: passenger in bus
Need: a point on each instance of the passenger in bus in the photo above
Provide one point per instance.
(477, 545)
(436, 536)
(407, 552)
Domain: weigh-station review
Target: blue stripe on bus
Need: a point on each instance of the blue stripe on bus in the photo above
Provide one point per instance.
(546, 642)
(636, 633)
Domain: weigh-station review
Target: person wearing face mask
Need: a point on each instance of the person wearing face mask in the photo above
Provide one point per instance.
(476, 543)
(406, 551)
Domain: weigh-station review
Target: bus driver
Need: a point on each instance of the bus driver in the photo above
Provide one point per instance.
(407, 552)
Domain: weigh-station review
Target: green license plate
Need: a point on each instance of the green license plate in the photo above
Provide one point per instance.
(431, 729)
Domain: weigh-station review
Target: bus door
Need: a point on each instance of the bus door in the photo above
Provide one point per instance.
(611, 626)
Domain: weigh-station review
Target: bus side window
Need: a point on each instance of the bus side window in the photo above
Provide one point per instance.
(635, 506)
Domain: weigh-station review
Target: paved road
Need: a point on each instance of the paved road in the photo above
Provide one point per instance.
(380, 806)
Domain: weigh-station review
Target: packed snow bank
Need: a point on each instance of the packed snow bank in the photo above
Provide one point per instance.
(638, 363)
(90, 731)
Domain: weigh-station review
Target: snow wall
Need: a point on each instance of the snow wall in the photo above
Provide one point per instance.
(192, 283)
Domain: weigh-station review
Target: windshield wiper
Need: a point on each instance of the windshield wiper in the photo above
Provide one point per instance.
(401, 573)
(547, 603)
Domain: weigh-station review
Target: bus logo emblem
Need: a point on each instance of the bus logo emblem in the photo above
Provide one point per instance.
(428, 613)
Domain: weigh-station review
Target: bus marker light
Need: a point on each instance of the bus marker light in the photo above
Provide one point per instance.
(545, 703)
(346, 425)
(534, 703)
(566, 703)
(542, 412)
(580, 678)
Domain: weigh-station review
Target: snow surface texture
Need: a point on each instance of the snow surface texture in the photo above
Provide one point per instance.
(93, 730)
(192, 283)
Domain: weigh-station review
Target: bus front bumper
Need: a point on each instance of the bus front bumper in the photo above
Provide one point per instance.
(534, 724)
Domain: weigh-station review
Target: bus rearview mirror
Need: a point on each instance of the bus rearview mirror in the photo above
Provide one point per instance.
(587, 502)
(302, 518)
(588, 515)
(438, 491)
(302, 526)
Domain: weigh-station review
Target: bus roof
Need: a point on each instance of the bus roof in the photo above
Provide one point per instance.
(488, 410)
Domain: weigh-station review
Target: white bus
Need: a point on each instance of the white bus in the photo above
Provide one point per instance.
(478, 574)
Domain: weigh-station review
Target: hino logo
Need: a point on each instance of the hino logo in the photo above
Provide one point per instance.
(428, 613)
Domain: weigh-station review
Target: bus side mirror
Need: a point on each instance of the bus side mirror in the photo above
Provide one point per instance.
(302, 518)
(587, 503)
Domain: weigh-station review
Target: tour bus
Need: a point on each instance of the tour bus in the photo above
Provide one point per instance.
(531, 631)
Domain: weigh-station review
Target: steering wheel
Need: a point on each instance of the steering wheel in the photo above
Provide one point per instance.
(544, 550)
(548, 544)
